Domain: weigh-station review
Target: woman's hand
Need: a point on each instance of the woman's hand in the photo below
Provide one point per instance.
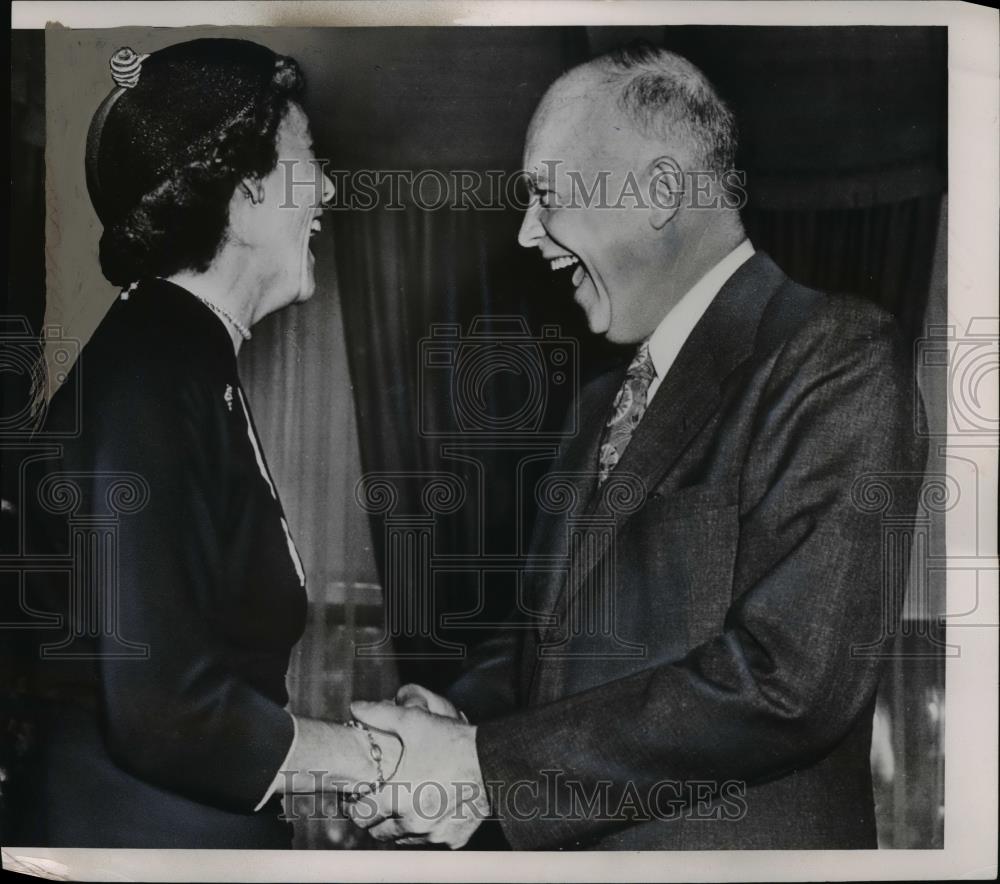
(392, 752)
(330, 757)
(439, 796)
(377, 755)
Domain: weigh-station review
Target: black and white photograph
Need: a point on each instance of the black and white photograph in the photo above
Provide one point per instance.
(537, 441)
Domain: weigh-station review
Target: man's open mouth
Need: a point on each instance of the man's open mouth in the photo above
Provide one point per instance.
(564, 262)
(560, 262)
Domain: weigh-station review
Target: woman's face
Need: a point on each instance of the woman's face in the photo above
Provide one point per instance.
(281, 226)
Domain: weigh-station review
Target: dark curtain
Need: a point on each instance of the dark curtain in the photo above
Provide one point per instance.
(401, 274)
(21, 372)
(296, 375)
(881, 252)
(26, 271)
(844, 144)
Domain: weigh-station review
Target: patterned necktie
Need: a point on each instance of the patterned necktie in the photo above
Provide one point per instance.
(629, 407)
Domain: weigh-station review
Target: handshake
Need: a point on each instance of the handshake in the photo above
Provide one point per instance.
(431, 789)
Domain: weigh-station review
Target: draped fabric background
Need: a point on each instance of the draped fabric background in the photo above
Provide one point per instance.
(296, 376)
(844, 142)
(295, 372)
(21, 366)
(883, 252)
(404, 272)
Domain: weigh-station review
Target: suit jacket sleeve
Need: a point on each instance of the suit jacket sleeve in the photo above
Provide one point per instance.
(487, 685)
(180, 719)
(777, 687)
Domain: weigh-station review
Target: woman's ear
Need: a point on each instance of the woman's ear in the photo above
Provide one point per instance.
(242, 215)
(666, 190)
(252, 189)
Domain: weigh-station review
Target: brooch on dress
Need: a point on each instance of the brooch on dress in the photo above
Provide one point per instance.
(228, 396)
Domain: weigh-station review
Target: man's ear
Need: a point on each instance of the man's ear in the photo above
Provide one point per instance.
(252, 189)
(666, 191)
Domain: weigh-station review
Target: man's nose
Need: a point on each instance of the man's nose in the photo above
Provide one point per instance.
(531, 230)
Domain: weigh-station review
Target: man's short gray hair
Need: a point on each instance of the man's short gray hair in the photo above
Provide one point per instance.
(664, 94)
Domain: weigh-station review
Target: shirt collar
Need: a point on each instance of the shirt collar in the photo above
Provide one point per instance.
(668, 338)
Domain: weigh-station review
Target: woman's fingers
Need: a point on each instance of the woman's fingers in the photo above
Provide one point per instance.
(364, 812)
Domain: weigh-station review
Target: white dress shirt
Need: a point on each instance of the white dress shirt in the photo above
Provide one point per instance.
(675, 328)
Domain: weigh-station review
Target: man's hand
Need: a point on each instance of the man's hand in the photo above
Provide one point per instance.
(437, 795)
(413, 695)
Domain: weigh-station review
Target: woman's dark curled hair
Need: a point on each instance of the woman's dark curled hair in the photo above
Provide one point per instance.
(171, 211)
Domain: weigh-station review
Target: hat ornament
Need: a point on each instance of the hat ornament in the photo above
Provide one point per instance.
(126, 65)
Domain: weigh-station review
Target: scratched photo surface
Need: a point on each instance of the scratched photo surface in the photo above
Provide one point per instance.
(501, 438)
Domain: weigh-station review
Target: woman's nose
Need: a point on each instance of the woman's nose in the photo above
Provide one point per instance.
(329, 190)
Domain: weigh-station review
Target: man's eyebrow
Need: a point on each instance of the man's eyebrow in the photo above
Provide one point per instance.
(533, 177)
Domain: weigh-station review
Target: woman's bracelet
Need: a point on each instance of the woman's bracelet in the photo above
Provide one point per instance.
(375, 750)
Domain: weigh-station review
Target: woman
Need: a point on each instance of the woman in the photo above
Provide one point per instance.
(164, 721)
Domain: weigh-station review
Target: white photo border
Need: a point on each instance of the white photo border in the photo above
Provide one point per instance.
(970, 849)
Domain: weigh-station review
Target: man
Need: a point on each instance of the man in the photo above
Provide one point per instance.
(730, 705)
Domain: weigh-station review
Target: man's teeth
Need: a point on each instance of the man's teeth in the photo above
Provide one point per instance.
(563, 261)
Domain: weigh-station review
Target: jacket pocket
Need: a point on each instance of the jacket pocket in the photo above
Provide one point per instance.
(692, 500)
(677, 567)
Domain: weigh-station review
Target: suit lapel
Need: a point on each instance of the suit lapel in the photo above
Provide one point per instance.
(576, 471)
(688, 396)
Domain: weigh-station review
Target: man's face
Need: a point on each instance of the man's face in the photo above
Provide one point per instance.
(580, 129)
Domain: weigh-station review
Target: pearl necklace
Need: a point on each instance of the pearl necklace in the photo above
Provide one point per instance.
(241, 329)
(224, 315)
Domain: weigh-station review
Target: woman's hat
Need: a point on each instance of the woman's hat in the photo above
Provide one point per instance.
(165, 110)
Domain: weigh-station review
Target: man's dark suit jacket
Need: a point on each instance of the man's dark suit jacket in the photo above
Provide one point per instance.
(748, 571)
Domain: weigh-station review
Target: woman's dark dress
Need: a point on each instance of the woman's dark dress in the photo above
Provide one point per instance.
(177, 746)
